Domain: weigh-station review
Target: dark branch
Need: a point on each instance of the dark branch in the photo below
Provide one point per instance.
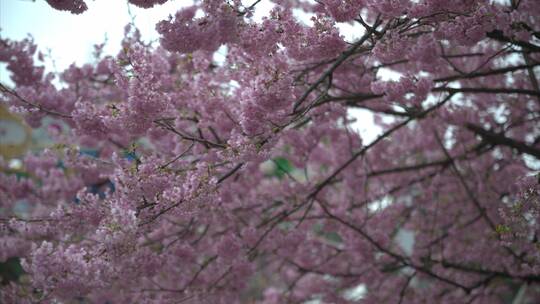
(500, 139)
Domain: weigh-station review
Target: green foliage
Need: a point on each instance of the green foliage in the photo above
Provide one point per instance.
(283, 166)
(10, 270)
(502, 229)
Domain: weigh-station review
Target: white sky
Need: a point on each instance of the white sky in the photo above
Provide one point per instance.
(70, 38)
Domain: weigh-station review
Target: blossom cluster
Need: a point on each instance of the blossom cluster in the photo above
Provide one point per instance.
(177, 178)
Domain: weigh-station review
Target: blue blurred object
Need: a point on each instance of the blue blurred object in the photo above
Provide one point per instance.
(90, 152)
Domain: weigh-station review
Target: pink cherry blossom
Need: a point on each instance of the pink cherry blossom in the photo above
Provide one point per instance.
(176, 178)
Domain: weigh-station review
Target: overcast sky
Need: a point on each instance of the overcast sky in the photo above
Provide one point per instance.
(70, 37)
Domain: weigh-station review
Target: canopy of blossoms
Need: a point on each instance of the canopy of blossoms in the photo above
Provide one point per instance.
(179, 179)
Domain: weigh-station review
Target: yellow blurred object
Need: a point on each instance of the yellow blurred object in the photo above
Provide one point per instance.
(15, 135)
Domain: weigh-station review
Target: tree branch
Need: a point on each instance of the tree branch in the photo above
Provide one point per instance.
(500, 139)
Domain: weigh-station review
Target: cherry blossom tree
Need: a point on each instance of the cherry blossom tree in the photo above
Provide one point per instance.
(176, 178)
